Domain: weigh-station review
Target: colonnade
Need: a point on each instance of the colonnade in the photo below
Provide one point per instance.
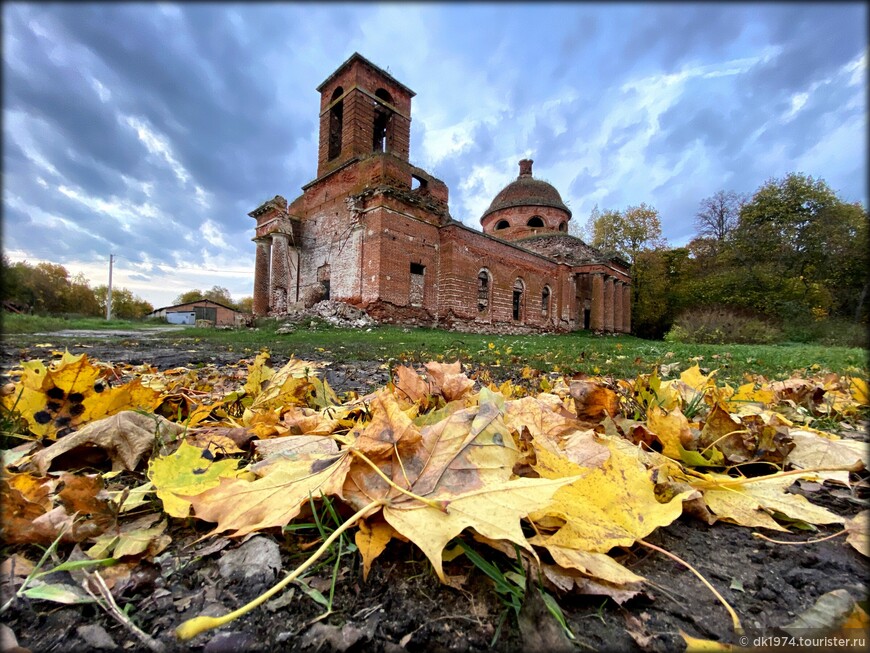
(611, 304)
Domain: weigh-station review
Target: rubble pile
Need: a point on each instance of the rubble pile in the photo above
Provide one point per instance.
(332, 312)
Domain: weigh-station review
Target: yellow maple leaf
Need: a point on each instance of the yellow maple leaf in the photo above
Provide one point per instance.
(371, 539)
(245, 506)
(614, 505)
(750, 501)
(71, 392)
(188, 471)
(858, 390)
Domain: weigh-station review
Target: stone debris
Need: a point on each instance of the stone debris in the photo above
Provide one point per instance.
(330, 311)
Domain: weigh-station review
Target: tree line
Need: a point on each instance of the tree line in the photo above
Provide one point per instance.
(49, 289)
(792, 252)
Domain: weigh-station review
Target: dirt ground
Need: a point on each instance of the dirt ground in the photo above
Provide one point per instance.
(402, 605)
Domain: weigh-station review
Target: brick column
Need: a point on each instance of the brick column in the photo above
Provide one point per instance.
(617, 305)
(608, 303)
(261, 275)
(626, 308)
(597, 317)
(280, 274)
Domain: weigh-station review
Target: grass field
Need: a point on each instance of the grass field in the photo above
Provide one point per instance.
(620, 356)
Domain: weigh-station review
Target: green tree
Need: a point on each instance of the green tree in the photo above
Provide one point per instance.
(810, 246)
(81, 297)
(606, 229)
(125, 305)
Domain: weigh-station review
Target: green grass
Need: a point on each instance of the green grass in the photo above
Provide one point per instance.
(576, 353)
(619, 356)
(15, 324)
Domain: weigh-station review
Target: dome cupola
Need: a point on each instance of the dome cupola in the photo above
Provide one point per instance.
(526, 207)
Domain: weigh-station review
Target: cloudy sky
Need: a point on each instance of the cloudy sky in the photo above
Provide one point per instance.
(151, 130)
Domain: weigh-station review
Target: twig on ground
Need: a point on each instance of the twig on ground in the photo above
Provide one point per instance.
(108, 604)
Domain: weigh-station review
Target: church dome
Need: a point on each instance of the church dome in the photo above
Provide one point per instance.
(525, 190)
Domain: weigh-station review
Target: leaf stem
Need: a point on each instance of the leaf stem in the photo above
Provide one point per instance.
(193, 627)
(438, 505)
(745, 480)
(821, 539)
(738, 628)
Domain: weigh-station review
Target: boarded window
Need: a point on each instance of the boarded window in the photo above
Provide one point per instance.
(418, 276)
(518, 299)
(536, 221)
(336, 123)
(545, 300)
(483, 286)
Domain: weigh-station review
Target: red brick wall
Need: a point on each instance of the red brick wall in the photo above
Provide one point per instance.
(518, 216)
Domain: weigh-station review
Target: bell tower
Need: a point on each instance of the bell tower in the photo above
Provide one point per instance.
(363, 110)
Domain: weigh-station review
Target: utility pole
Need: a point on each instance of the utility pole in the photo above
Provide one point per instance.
(109, 292)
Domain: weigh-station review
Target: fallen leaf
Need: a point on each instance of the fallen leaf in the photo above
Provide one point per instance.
(592, 401)
(187, 471)
(244, 506)
(371, 539)
(859, 532)
(751, 502)
(614, 505)
(125, 437)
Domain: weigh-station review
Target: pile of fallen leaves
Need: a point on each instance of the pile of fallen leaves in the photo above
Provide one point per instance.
(564, 474)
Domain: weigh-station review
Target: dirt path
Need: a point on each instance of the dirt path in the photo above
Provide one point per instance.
(402, 606)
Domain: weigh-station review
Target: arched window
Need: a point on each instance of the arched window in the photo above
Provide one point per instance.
(545, 301)
(484, 286)
(382, 123)
(536, 221)
(336, 123)
(563, 226)
(519, 288)
(502, 224)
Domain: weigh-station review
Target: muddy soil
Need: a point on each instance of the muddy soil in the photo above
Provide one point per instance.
(401, 606)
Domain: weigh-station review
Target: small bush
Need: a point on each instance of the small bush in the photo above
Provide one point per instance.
(718, 326)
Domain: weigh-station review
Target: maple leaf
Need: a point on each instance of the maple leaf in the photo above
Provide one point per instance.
(273, 500)
(814, 449)
(750, 501)
(613, 505)
(461, 466)
(71, 392)
(125, 437)
(448, 380)
(859, 532)
(188, 470)
(37, 510)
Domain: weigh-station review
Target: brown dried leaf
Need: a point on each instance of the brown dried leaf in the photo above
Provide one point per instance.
(125, 437)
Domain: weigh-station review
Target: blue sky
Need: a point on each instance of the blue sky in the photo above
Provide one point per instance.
(151, 130)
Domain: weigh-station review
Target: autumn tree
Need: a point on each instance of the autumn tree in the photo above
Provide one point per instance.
(245, 305)
(627, 232)
(217, 294)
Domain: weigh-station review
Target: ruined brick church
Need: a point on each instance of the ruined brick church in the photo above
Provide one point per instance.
(374, 231)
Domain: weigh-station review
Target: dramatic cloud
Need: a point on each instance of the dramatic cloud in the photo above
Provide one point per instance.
(150, 130)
